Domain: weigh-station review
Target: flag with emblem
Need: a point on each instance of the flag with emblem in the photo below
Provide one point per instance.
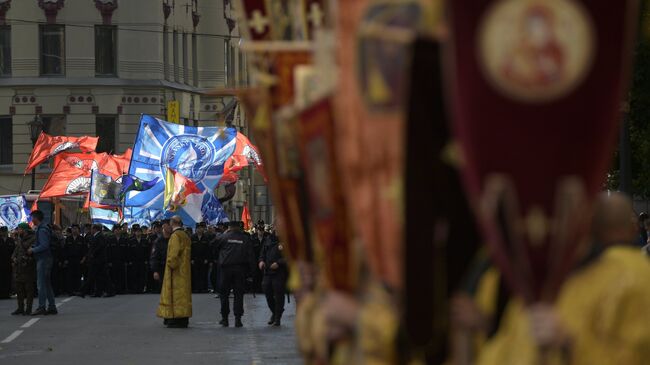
(104, 190)
(72, 172)
(49, 146)
(13, 211)
(196, 153)
(245, 154)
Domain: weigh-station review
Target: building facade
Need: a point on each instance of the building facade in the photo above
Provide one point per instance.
(92, 67)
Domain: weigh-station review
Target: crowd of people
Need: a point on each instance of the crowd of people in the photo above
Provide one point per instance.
(91, 260)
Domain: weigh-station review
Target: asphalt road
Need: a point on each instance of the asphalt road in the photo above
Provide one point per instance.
(125, 330)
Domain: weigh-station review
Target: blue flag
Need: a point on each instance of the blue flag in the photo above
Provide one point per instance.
(143, 217)
(198, 153)
(105, 217)
(13, 211)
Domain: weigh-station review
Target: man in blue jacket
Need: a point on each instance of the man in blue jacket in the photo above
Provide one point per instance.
(44, 260)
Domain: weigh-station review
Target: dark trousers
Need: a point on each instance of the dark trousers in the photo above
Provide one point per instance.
(58, 278)
(131, 278)
(25, 291)
(232, 278)
(118, 275)
(73, 277)
(5, 282)
(214, 277)
(274, 287)
(98, 280)
(199, 276)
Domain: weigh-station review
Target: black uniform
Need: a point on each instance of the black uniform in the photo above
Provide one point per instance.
(98, 279)
(236, 262)
(7, 246)
(158, 260)
(58, 273)
(200, 263)
(214, 263)
(257, 249)
(74, 250)
(117, 251)
(275, 280)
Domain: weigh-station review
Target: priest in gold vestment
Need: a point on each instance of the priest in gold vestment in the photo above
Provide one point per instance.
(602, 314)
(176, 296)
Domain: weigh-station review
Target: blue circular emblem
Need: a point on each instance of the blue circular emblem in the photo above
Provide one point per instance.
(10, 213)
(190, 155)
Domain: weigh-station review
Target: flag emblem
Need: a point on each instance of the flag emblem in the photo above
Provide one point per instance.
(192, 155)
(11, 214)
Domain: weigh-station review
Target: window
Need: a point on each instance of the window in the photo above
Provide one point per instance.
(54, 125)
(52, 49)
(105, 50)
(166, 52)
(6, 141)
(5, 50)
(175, 50)
(195, 61)
(105, 129)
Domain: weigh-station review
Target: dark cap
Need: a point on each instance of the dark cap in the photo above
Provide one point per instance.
(3, 229)
(234, 224)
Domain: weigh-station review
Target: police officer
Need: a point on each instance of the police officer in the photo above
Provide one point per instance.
(118, 247)
(58, 267)
(200, 259)
(74, 250)
(259, 236)
(141, 260)
(98, 279)
(158, 258)
(214, 234)
(7, 245)
(236, 263)
(274, 266)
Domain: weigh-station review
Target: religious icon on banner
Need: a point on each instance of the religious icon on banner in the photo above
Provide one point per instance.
(536, 50)
(384, 37)
(281, 15)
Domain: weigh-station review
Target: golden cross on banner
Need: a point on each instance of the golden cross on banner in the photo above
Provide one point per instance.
(315, 15)
(258, 22)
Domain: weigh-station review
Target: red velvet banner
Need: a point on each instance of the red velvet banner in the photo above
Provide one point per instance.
(537, 89)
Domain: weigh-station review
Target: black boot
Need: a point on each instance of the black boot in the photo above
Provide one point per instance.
(277, 322)
(238, 323)
(271, 320)
(18, 312)
(39, 312)
(224, 322)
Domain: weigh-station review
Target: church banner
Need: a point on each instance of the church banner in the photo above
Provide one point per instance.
(537, 90)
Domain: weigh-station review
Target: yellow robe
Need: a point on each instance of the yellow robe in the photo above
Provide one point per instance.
(176, 295)
(604, 306)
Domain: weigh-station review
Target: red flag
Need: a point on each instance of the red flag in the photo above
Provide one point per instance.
(246, 218)
(49, 146)
(71, 174)
(228, 178)
(245, 154)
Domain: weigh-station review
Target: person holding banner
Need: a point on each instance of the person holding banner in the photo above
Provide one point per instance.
(6, 248)
(601, 315)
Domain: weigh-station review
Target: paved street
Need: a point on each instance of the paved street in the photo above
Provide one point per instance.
(124, 330)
